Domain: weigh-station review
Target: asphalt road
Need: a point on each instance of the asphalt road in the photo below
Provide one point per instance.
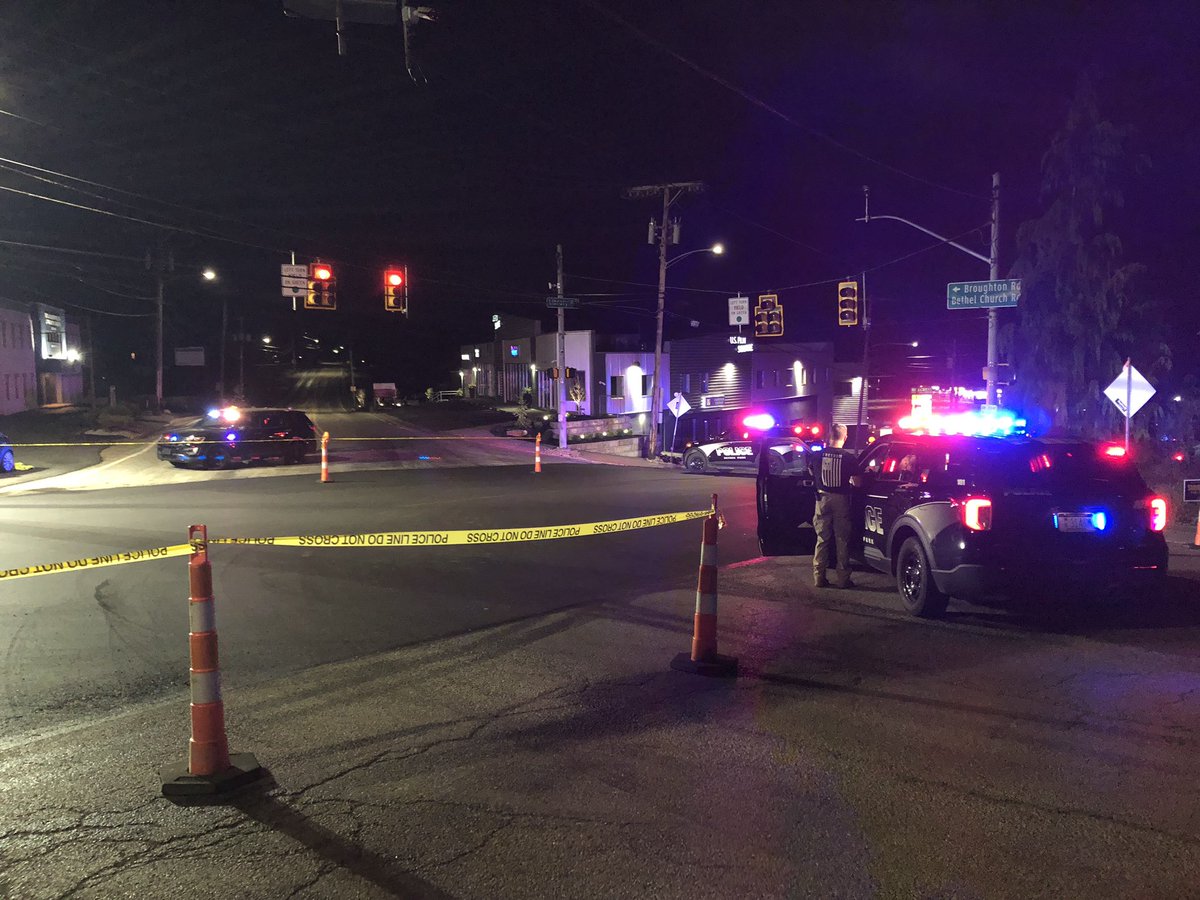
(502, 720)
(89, 641)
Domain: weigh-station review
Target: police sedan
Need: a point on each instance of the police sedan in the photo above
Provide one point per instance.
(736, 451)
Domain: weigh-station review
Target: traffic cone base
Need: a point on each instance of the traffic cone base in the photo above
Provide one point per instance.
(714, 666)
(243, 770)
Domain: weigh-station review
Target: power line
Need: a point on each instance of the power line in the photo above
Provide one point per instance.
(763, 105)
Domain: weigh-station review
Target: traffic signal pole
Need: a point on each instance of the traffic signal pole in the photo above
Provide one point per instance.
(993, 313)
(862, 388)
(562, 358)
(992, 259)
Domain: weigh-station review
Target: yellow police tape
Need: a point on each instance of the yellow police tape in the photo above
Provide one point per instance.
(482, 536)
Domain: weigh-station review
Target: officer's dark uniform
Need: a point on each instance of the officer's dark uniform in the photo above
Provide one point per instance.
(832, 518)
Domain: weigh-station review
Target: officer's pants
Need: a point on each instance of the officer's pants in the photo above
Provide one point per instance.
(832, 524)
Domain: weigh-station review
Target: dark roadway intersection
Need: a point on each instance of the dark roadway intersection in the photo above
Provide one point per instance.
(502, 720)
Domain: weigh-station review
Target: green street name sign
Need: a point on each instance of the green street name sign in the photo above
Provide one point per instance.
(562, 302)
(982, 294)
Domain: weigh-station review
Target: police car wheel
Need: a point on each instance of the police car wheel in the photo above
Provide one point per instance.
(695, 462)
(914, 579)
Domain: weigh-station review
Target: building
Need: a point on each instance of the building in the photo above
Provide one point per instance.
(57, 358)
(17, 368)
(724, 376)
(609, 374)
(40, 359)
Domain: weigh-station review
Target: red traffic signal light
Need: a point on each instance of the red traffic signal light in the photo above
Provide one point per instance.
(322, 287)
(395, 290)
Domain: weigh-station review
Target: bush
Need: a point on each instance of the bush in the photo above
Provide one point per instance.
(118, 416)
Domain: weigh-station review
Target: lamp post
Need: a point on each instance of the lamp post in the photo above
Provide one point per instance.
(993, 261)
(656, 392)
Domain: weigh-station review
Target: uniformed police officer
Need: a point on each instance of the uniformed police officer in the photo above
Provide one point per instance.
(837, 474)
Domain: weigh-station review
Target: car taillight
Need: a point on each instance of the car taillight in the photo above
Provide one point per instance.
(1158, 513)
(1115, 451)
(976, 513)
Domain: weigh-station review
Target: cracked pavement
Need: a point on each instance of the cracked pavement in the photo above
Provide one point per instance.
(859, 754)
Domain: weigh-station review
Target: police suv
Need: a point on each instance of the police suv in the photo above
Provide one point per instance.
(737, 451)
(960, 515)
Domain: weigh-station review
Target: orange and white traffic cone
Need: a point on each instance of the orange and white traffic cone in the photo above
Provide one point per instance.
(704, 659)
(210, 769)
(537, 454)
(1196, 539)
(325, 476)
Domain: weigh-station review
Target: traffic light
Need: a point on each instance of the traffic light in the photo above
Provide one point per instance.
(395, 289)
(848, 303)
(322, 287)
(768, 316)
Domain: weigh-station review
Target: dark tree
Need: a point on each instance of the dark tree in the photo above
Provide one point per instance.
(1080, 315)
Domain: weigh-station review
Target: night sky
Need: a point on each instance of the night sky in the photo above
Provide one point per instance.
(242, 135)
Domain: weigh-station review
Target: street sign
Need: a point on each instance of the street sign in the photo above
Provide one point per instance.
(292, 271)
(294, 291)
(739, 310)
(562, 302)
(983, 294)
(1191, 490)
(289, 281)
(678, 405)
(1133, 384)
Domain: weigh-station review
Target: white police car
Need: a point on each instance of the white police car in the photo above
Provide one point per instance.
(735, 451)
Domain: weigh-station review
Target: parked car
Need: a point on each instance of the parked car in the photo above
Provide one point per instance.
(953, 515)
(8, 461)
(234, 435)
(788, 447)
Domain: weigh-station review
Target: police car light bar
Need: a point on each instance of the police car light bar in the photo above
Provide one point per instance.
(974, 423)
(759, 421)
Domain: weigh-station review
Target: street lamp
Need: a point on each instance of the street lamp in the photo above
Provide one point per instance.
(656, 392)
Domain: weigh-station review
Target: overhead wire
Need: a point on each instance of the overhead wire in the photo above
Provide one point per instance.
(767, 107)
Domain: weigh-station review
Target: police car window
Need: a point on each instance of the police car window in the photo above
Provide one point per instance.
(900, 464)
(872, 460)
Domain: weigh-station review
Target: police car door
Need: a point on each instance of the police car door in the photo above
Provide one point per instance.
(866, 508)
(890, 490)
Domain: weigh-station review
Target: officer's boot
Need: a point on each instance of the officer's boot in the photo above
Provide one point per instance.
(841, 578)
(819, 579)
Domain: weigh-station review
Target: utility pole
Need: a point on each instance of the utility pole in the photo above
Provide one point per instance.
(993, 261)
(242, 358)
(91, 361)
(668, 233)
(561, 357)
(224, 338)
(159, 264)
